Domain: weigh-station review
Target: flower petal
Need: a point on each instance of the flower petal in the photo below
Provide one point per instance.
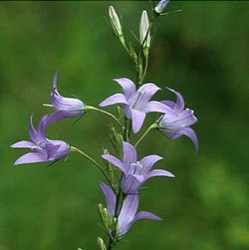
(147, 162)
(168, 103)
(34, 135)
(114, 161)
(171, 123)
(148, 90)
(189, 132)
(114, 99)
(179, 106)
(110, 197)
(137, 120)
(146, 215)
(154, 106)
(65, 103)
(128, 86)
(129, 156)
(23, 144)
(56, 149)
(30, 158)
(127, 213)
(158, 172)
(131, 183)
(62, 114)
(42, 126)
(55, 79)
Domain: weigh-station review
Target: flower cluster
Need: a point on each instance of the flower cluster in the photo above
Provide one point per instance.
(124, 171)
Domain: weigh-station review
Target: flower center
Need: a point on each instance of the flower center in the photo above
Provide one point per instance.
(135, 168)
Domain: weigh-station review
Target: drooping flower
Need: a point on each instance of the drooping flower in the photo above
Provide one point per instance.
(135, 172)
(136, 103)
(128, 214)
(65, 107)
(44, 149)
(161, 6)
(176, 124)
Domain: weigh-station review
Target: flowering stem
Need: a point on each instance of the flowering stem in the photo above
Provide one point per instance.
(104, 112)
(74, 149)
(154, 125)
(127, 130)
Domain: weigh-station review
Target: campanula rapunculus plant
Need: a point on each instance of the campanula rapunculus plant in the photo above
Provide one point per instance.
(125, 173)
(65, 107)
(44, 149)
(135, 172)
(128, 214)
(176, 124)
(136, 103)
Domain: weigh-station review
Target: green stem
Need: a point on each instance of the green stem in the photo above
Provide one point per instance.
(154, 125)
(104, 112)
(74, 149)
(119, 201)
(127, 130)
(144, 72)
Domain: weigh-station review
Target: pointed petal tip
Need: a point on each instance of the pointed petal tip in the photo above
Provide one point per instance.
(55, 79)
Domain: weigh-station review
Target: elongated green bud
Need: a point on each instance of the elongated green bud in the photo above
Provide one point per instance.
(101, 244)
(144, 32)
(116, 25)
(105, 216)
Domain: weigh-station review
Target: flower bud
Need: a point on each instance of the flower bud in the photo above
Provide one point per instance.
(161, 6)
(114, 19)
(116, 139)
(101, 244)
(144, 31)
(105, 216)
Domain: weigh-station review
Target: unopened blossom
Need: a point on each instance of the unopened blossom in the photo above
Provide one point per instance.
(176, 124)
(144, 33)
(115, 22)
(128, 214)
(161, 6)
(136, 103)
(135, 172)
(65, 107)
(43, 149)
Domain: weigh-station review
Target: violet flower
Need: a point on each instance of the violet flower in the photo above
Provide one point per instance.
(177, 124)
(136, 102)
(135, 172)
(128, 214)
(161, 6)
(44, 150)
(65, 107)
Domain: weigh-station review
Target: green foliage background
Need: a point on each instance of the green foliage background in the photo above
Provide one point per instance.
(201, 52)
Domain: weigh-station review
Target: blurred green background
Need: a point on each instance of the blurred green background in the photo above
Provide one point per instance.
(201, 51)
